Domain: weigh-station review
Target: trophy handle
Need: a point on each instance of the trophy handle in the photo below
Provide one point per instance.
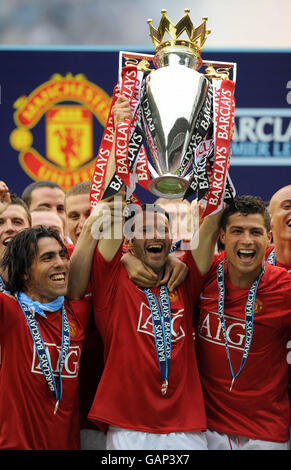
(139, 59)
(225, 66)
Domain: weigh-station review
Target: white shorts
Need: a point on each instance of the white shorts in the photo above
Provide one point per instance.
(217, 441)
(124, 439)
(92, 439)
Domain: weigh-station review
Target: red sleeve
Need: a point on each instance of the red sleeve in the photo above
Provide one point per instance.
(285, 285)
(268, 251)
(81, 308)
(104, 278)
(8, 313)
(194, 280)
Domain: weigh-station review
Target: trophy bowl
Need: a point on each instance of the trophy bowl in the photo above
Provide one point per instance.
(172, 99)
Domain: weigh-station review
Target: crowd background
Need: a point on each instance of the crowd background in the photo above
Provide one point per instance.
(263, 24)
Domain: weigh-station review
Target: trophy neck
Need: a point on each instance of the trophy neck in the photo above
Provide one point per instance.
(176, 56)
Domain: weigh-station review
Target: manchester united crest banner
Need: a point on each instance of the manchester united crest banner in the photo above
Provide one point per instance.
(68, 106)
(55, 104)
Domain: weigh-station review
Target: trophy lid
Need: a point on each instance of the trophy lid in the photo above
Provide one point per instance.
(196, 36)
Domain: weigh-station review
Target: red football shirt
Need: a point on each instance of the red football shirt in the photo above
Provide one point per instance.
(288, 268)
(91, 365)
(129, 393)
(281, 265)
(27, 420)
(258, 405)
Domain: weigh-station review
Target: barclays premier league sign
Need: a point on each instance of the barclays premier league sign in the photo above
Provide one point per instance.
(262, 136)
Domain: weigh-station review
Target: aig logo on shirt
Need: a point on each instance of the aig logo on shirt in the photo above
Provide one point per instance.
(71, 364)
(210, 329)
(145, 323)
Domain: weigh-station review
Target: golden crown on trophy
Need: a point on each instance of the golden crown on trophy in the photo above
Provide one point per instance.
(196, 36)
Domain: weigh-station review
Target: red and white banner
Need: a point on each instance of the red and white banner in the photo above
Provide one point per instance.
(130, 87)
(224, 106)
(105, 148)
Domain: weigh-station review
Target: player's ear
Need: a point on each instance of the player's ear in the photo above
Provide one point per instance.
(222, 235)
(128, 244)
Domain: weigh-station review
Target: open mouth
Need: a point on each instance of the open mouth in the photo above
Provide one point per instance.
(58, 277)
(7, 240)
(155, 248)
(246, 254)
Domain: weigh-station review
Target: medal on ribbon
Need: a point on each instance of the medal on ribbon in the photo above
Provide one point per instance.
(272, 257)
(161, 317)
(2, 285)
(55, 388)
(249, 317)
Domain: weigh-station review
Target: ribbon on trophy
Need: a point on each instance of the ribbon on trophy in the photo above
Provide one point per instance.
(210, 179)
(204, 157)
(202, 128)
(129, 150)
(130, 155)
(224, 106)
(105, 148)
(122, 129)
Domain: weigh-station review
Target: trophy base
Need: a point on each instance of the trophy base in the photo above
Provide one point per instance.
(168, 186)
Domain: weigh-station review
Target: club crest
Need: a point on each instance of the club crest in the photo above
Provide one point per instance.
(55, 129)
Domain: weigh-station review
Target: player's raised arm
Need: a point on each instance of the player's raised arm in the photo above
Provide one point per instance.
(206, 238)
(103, 226)
(4, 196)
(113, 207)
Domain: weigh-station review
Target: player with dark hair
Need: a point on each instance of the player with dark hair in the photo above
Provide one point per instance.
(14, 217)
(41, 338)
(27, 194)
(47, 194)
(19, 256)
(246, 205)
(242, 328)
(244, 324)
(77, 207)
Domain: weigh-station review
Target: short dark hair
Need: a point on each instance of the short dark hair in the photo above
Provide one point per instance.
(26, 195)
(245, 205)
(20, 253)
(83, 187)
(18, 201)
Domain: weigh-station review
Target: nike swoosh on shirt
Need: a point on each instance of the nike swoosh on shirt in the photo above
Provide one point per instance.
(205, 298)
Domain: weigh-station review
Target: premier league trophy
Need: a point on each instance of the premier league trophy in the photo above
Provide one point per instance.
(183, 117)
(173, 97)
